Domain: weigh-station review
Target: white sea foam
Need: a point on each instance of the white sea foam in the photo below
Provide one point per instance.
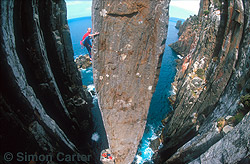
(89, 71)
(91, 87)
(83, 70)
(172, 92)
(154, 136)
(139, 159)
(161, 145)
(95, 136)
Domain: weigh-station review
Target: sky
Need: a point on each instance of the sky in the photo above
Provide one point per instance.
(178, 8)
(191, 5)
(76, 9)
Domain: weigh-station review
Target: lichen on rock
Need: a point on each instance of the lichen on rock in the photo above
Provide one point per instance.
(211, 80)
(129, 49)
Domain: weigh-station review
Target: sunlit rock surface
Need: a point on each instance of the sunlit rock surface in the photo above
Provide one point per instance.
(210, 82)
(126, 64)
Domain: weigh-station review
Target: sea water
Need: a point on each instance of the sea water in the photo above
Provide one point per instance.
(159, 106)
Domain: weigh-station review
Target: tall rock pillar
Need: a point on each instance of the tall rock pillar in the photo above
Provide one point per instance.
(126, 64)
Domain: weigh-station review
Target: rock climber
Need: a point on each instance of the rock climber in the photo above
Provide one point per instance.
(107, 155)
(86, 41)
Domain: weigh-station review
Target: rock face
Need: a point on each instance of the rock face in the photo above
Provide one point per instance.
(188, 33)
(43, 106)
(210, 82)
(178, 24)
(83, 62)
(126, 63)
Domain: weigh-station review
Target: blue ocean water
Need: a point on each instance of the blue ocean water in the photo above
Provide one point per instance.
(78, 27)
(159, 106)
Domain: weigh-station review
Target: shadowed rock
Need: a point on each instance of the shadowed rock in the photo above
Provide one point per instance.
(44, 108)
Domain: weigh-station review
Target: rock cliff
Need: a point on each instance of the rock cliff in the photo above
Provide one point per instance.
(210, 121)
(126, 63)
(44, 108)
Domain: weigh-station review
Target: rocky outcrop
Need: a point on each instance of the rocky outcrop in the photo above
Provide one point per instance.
(83, 62)
(210, 83)
(178, 24)
(44, 108)
(126, 63)
(189, 34)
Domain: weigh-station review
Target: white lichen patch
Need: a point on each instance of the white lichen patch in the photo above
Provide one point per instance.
(174, 89)
(122, 104)
(228, 117)
(128, 47)
(197, 127)
(215, 126)
(138, 74)
(130, 100)
(195, 116)
(227, 129)
(123, 56)
(241, 105)
(140, 22)
(95, 76)
(103, 13)
(150, 88)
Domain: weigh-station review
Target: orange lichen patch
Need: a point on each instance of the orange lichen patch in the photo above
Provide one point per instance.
(184, 67)
(172, 99)
(217, 12)
(221, 124)
(215, 59)
(185, 63)
(143, 61)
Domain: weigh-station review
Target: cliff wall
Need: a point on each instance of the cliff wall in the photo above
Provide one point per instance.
(212, 86)
(126, 64)
(44, 108)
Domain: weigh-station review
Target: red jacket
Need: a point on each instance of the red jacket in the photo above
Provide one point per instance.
(85, 36)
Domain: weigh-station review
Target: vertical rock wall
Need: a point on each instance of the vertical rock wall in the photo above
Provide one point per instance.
(210, 83)
(43, 106)
(127, 58)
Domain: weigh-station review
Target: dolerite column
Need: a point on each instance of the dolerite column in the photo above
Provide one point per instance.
(127, 59)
